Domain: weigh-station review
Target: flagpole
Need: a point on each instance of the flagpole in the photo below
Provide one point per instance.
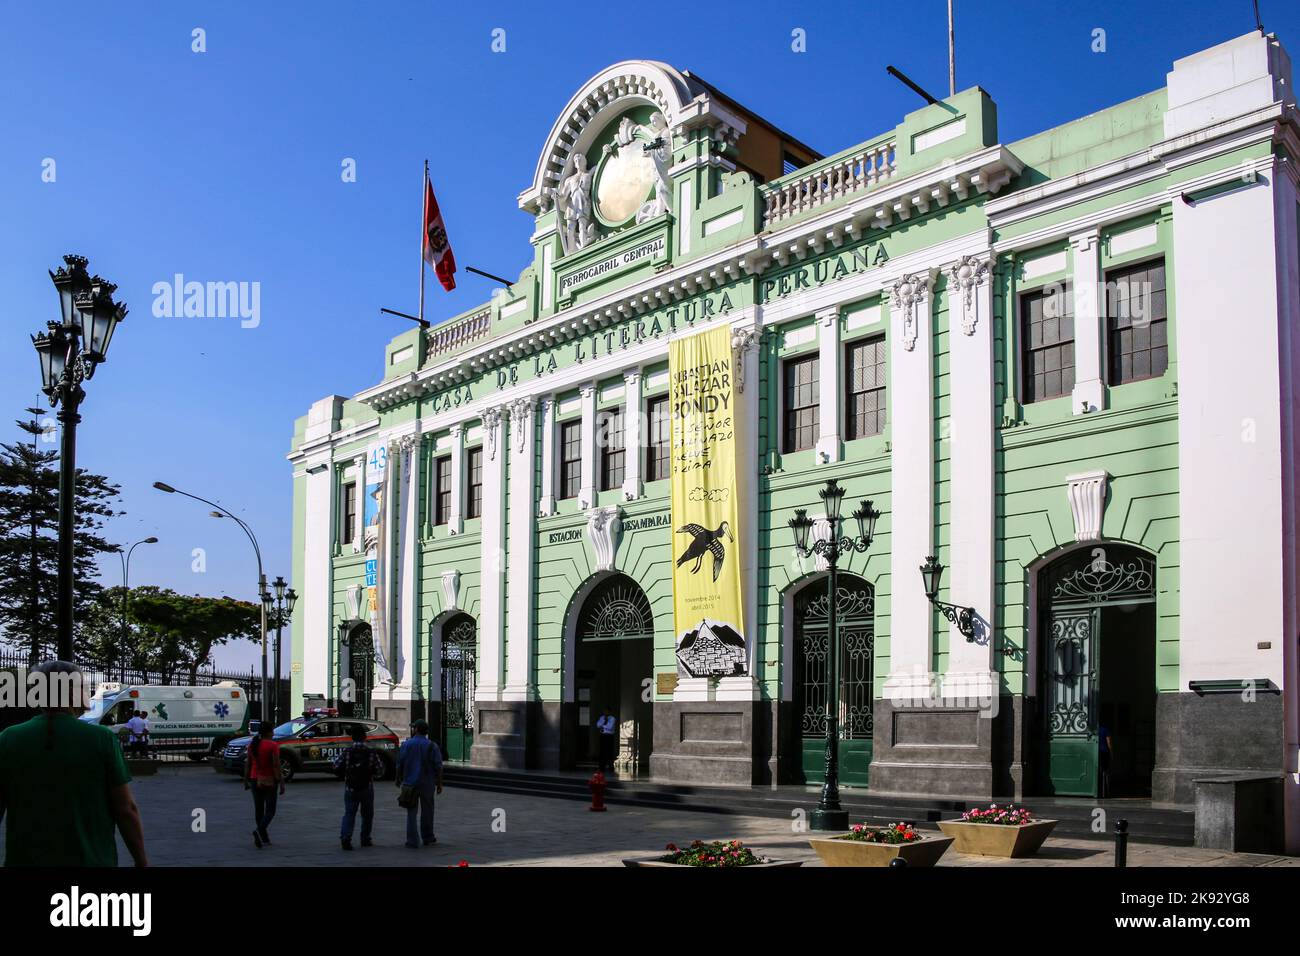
(952, 55)
(424, 192)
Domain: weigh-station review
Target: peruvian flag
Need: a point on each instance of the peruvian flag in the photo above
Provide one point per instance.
(437, 250)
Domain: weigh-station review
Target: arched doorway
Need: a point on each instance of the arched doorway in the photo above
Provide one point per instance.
(613, 659)
(810, 659)
(1098, 671)
(459, 646)
(356, 671)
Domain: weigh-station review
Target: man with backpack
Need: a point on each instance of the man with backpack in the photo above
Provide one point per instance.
(358, 765)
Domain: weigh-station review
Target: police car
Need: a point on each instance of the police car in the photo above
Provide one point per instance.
(309, 744)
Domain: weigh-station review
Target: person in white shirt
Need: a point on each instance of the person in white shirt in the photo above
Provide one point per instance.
(139, 728)
(606, 727)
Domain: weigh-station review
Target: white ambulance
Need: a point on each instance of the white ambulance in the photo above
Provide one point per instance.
(198, 721)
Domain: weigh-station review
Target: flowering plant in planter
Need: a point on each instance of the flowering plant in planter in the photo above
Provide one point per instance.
(894, 833)
(1009, 815)
(716, 853)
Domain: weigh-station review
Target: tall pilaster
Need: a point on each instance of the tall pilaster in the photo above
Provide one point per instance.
(491, 582)
(547, 503)
(633, 441)
(828, 362)
(1089, 393)
(587, 492)
(523, 525)
(456, 520)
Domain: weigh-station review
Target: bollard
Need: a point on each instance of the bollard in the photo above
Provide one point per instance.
(597, 785)
(898, 861)
(1121, 843)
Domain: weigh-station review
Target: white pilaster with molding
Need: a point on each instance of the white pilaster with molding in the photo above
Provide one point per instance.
(969, 292)
(828, 364)
(633, 444)
(1089, 393)
(587, 490)
(546, 506)
(912, 482)
(520, 634)
(408, 570)
(492, 621)
(455, 517)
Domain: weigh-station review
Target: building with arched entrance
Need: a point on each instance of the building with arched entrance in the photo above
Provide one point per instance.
(1065, 366)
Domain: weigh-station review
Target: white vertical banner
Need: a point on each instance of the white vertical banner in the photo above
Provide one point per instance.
(375, 543)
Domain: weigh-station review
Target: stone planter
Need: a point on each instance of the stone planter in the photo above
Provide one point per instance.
(997, 839)
(655, 861)
(838, 851)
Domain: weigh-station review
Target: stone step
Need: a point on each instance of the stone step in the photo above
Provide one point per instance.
(1147, 824)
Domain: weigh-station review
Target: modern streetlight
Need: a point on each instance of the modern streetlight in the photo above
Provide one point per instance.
(282, 601)
(69, 351)
(220, 512)
(126, 594)
(829, 815)
(963, 617)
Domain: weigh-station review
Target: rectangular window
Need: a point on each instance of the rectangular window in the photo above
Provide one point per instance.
(1136, 323)
(474, 486)
(802, 393)
(570, 458)
(864, 409)
(442, 490)
(661, 439)
(349, 512)
(1047, 343)
(609, 432)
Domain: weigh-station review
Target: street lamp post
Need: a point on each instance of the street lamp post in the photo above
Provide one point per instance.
(69, 351)
(126, 595)
(282, 601)
(220, 512)
(829, 815)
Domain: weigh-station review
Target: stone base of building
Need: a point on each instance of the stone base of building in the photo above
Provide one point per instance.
(501, 734)
(398, 715)
(707, 741)
(1213, 735)
(931, 750)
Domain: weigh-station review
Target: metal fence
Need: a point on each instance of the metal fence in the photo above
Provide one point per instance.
(250, 681)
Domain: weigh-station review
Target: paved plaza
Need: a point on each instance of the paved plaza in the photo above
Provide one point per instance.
(486, 828)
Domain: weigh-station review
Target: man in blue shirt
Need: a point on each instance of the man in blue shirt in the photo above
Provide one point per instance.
(419, 766)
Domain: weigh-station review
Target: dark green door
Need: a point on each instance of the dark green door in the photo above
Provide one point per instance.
(1072, 665)
(458, 646)
(1081, 589)
(855, 610)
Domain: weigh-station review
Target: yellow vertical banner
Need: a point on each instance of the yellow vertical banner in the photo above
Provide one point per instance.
(707, 606)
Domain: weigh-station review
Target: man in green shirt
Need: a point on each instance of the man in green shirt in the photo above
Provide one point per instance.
(63, 788)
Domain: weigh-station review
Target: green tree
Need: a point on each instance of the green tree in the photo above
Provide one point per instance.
(176, 633)
(29, 517)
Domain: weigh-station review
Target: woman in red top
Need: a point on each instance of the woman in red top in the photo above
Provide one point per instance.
(262, 774)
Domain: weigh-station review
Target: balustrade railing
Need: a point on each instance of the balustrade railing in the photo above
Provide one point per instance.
(449, 337)
(853, 171)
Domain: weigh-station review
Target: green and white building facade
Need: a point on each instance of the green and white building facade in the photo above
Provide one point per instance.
(1066, 366)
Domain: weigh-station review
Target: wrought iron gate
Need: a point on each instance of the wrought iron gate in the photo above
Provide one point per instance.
(458, 650)
(855, 612)
(1076, 587)
(357, 667)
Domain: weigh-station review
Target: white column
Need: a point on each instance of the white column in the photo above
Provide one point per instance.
(1089, 390)
(828, 362)
(491, 622)
(455, 519)
(912, 482)
(547, 505)
(408, 571)
(587, 493)
(316, 587)
(969, 671)
(523, 525)
(633, 443)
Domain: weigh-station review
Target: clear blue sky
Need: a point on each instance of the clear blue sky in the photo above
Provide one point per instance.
(225, 166)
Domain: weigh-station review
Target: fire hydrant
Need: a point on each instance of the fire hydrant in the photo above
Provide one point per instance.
(597, 785)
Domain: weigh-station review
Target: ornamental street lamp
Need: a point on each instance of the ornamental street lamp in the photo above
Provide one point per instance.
(220, 512)
(69, 351)
(829, 815)
(282, 602)
(963, 617)
(126, 595)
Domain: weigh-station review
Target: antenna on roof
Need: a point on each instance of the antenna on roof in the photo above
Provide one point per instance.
(952, 51)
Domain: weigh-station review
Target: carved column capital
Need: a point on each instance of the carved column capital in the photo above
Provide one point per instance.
(909, 294)
(965, 277)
